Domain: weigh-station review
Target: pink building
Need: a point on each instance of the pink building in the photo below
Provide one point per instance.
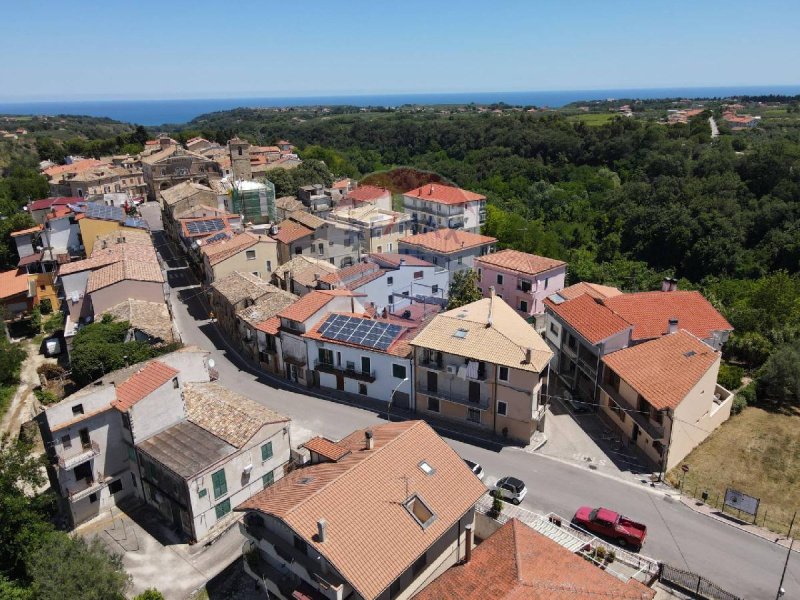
(522, 280)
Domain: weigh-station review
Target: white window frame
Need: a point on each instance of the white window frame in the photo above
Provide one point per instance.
(500, 373)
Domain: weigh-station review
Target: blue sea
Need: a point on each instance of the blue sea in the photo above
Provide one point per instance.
(160, 112)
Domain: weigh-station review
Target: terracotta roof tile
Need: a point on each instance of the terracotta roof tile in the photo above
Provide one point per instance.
(375, 528)
(13, 283)
(447, 240)
(307, 219)
(124, 270)
(238, 286)
(46, 203)
(309, 304)
(224, 249)
(394, 259)
(304, 268)
(266, 307)
(291, 231)
(226, 414)
(650, 312)
(665, 369)
(517, 562)
(592, 289)
(521, 262)
(594, 321)
(368, 193)
(76, 167)
(151, 318)
(142, 383)
(271, 326)
(34, 229)
(444, 194)
(30, 259)
(326, 448)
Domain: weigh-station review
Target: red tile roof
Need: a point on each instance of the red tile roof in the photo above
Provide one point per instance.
(367, 193)
(444, 194)
(521, 262)
(76, 167)
(447, 240)
(589, 318)
(592, 289)
(46, 203)
(33, 229)
(142, 383)
(224, 249)
(270, 326)
(326, 448)
(372, 537)
(650, 312)
(290, 231)
(664, 370)
(30, 259)
(13, 283)
(517, 562)
(309, 304)
(393, 259)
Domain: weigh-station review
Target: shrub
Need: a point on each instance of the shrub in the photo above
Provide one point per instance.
(54, 322)
(600, 553)
(744, 397)
(730, 376)
(45, 396)
(36, 320)
(497, 505)
(779, 379)
(150, 594)
(611, 556)
(46, 306)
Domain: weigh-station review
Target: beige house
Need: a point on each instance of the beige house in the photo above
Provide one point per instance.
(376, 515)
(172, 165)
(378, 228)
(663, 395)
(302, 274)
(119, 281)
(100, 179)
(245, 252)
(258, 327)
(178, 200)
(483, 365)
(233, 292)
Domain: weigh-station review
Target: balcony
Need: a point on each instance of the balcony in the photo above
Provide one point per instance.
(651, 428)
(433, 365)
(73, 460)
(347, 371)
(456, 397)
(85, 487)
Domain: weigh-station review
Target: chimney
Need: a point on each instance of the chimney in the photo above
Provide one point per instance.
(528, 355)
(468, 544)
(316, 276)
(322, 530)
(430, 190)
(491, 306)
(673, 325)
(673, 284)
(402, 261)
(370, 442)
(665, 283)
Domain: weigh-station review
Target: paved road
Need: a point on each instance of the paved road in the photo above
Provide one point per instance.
(737, 561)
(714, 128)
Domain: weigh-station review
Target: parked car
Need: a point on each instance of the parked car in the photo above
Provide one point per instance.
(511, 489)
(611, 525)
(476, 468)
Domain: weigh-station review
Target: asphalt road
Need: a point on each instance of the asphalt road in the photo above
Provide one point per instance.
(739, 562)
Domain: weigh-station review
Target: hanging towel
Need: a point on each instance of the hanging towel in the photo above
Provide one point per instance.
(472, 369)
(462, 372)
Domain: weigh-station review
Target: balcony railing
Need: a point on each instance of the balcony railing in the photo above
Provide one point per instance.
(346, 371)
(85, 487)
(651, 428)
(450, 396)
(73, 460)
(433, 365)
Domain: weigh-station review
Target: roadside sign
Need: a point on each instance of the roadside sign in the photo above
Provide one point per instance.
(741, 501)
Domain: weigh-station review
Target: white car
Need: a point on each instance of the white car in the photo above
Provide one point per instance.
(511, 489)
(476, 468)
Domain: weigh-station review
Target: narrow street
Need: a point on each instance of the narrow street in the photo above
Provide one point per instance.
(737, 561)
(714, 128)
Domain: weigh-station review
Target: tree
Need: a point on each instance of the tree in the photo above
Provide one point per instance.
(8, 249)
(70, 567)
(463, 289)
(779, 379)
(150, 594)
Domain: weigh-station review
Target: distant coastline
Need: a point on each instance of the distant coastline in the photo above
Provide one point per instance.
(179, 112)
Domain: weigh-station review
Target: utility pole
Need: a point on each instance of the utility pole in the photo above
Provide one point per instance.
(781, 591)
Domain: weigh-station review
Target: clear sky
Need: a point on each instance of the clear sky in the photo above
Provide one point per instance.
(234, 48)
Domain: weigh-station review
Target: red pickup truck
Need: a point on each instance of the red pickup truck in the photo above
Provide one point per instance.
(611, 525)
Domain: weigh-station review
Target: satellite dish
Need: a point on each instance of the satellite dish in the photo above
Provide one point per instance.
(211, 363)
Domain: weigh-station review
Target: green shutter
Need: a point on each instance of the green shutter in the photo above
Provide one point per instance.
(131, 454)
(266, 451)
(268, 479)
(222, 509)
(220, 485)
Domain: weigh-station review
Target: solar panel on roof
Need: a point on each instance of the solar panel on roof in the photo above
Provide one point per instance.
(95, 210)
(205, 226)
(215, 238)
(363, 332)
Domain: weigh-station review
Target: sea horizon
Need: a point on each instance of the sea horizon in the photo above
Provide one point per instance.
(174, 111)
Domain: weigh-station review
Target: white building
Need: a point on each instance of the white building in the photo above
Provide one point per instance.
(435, 206)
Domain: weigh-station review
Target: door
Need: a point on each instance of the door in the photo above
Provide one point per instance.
(433, 382)
(293, 372)
(635, 433)
(365, 365)
(86, 442)
(340, 382)
(474, 391)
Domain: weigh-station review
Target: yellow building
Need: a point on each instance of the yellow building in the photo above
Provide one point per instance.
(100, 220)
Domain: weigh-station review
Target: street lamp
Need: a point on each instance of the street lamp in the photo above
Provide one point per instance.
(391, 398)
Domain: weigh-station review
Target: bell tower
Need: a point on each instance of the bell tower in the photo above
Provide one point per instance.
(239, 151)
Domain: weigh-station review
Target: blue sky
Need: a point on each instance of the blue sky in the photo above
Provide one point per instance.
(182, 49)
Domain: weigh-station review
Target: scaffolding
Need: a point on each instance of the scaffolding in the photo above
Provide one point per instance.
(254, 200)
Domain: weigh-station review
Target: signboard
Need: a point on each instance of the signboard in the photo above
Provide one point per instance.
(740, 501)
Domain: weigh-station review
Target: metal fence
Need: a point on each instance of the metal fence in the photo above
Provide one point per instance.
(694, 584)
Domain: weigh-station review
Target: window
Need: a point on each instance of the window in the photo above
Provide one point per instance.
(266, 451)
(220, 485)
(77, 410)
(131, 454)
(175, 384)
(546, 282)
(499, 279)
(474, 415)
(461, 260)
(240, 150)
(366, 366)
(418, 274)
(66, 441)
(268, 479)
(615, 408)
(502, 373)
(433, 404)
(398, 371)
(325, 356)
(115, 486)
(434, 289)
(269, 266)
(362, 389)
(250, 254)
(657, 416)
(419, 564)
(553, 329)
(320, 248)
(460, 333)
(502, 408)
(298, 250)
(390, 281)
(391, 299)
(417, 508)
(222, 509)
(202, 493)
(394, 589)
(523, 305)
(524, 285)
(92, 498)
(480, 272)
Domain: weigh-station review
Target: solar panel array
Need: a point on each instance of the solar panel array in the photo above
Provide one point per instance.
(217, 237)
(205, 226)
(363, 332)
(95, 210)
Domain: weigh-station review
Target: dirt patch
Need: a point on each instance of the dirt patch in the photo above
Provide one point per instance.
(756, 452)
(21, 408)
